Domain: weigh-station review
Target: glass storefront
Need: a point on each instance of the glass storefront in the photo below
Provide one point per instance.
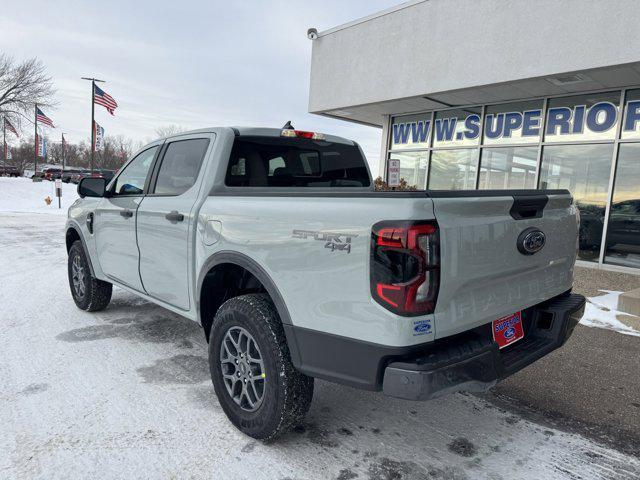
(413, 166)
(573, 142)
(453, 169)
(623, 235)
(584, 171)
(508, 167)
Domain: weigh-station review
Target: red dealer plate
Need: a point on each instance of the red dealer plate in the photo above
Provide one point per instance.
(507, 330)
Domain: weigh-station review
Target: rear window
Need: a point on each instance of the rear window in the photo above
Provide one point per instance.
(295, 162)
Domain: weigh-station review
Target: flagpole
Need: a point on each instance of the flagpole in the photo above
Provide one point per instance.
(93, 123)
(93, 133)
(35, 150)
(4, 139)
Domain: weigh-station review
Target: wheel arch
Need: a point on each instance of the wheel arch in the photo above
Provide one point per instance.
(236, 260)
(73, 234)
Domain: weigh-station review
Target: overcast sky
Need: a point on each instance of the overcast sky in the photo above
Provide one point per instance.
(190, 63)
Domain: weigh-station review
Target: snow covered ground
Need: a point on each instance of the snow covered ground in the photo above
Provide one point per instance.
(24, 195)
(601, 312)
(125, 393)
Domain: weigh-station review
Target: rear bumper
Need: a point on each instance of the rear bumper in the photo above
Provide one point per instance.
(473, 362)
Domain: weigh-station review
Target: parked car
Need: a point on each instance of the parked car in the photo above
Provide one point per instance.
(104, 173)
(52, 173)
(77, 176)
(9, 171)
(97, 173)
(68, 173)
(276, 243)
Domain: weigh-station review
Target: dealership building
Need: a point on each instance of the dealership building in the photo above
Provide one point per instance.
(499, 94)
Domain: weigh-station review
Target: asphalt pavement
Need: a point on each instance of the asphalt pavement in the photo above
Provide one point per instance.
(589, 386)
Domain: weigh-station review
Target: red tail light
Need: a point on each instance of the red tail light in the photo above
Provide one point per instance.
(405, 266)
(302, 134)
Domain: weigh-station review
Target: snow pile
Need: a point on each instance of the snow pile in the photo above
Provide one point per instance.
(25, 196)
(601, 312)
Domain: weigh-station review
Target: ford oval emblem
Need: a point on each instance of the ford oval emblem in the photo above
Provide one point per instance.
(509, 332)
(531, 240)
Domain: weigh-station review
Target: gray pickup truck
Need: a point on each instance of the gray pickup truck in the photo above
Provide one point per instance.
(275, 241)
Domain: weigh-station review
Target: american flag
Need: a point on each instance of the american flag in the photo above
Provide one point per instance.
(42, 118)
(10, 127)
(104, 99)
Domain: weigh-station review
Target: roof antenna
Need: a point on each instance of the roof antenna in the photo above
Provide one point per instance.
(288, 126)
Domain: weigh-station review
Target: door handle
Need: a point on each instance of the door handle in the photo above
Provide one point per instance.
(174, 216)
(126, 213)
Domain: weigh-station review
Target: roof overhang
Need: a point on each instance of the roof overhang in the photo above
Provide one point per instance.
(426, 55)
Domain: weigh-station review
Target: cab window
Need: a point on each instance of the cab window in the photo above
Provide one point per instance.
(180, 166)
(133, 177)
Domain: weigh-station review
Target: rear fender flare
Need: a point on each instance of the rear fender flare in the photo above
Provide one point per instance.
(251, 266)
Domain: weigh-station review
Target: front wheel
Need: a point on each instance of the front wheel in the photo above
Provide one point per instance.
(257, 386)
(88, 292)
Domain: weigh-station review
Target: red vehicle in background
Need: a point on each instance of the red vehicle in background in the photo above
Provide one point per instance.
(52, 173)
(97, 173)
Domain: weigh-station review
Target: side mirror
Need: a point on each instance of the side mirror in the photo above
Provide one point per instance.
(92, 187)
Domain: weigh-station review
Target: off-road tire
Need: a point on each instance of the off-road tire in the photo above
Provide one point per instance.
(97, 293)
(287, 393)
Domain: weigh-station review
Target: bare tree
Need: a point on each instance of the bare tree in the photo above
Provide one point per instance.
(115, 151)
(22, 85)
(168, 130)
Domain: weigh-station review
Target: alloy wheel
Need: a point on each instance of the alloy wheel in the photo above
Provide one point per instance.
(242, 368)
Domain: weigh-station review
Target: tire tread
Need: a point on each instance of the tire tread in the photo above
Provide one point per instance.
(297, 387)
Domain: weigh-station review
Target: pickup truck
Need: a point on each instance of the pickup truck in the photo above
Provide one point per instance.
(277, 244)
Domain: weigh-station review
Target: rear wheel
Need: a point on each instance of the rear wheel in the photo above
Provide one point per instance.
(257, 386)
(88, 292)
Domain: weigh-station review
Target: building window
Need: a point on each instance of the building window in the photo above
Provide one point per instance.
(582, 118)
(631, 121)
(413, 167)
(411, 131)
(457, 128)
(453, 169)
(511, 123)
(623, 233)
(584, 170)
(508, 168)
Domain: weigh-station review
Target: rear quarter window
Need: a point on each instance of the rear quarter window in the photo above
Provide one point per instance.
(295, 162)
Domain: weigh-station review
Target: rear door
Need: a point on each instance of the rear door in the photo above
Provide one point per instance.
(485, 275)
(115, 221)
(165, 219)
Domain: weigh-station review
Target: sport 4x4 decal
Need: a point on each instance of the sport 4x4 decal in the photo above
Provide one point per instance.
(333, 240)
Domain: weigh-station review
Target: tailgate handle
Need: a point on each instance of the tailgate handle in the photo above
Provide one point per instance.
(528, 206)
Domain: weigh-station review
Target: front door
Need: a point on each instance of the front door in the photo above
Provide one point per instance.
(115, 221)
(165, 219)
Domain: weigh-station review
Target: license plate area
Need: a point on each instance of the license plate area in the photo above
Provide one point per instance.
(507, 330)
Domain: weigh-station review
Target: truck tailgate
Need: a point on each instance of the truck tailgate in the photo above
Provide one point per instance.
(484, 275)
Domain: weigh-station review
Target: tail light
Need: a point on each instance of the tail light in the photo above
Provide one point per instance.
(302, 134)
(405, 266)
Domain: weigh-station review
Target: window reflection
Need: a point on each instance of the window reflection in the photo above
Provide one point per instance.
(583, 170)
(623, 235)
(453, 169)
(413, 168)
(508, 167)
